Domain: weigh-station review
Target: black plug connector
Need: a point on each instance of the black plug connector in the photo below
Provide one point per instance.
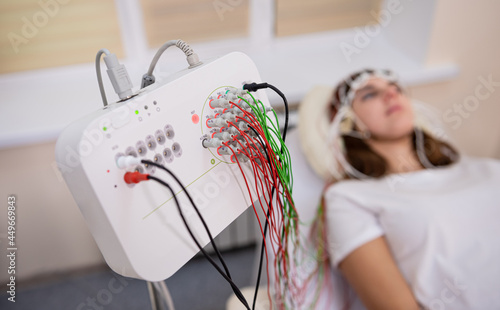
(254, 86)
(147, 80)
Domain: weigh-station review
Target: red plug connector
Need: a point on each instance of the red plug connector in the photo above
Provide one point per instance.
(135, 177)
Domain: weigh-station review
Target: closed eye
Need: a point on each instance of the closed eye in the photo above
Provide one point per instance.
(369, 95)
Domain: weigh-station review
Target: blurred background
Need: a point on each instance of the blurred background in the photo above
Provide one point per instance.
(444, 50)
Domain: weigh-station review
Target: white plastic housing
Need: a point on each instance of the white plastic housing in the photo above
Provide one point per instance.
(137, 227)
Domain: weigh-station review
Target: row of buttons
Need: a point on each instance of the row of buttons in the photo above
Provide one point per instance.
(153, 143)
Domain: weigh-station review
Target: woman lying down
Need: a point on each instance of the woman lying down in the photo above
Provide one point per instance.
(409, 223)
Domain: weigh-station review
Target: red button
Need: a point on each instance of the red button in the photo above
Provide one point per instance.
(195, 118)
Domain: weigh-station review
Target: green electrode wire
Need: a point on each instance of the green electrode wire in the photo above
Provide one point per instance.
(285, 174)
(284, 171)
(273, 135)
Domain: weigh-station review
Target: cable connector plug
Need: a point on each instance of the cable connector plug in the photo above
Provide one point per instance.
(255, 87)
(147, 80)
(191, 57)
(119, 77)
(193, 60)
(215, 143)
(125, 162)
(135, 177)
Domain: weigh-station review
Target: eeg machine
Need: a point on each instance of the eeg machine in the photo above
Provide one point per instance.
(200, 126)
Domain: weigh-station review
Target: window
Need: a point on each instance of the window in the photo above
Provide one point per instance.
(53, 33)
(194, 20)
(42, 34)
(299, 17)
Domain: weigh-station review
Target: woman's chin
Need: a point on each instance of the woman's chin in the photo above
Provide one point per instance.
(393, 135)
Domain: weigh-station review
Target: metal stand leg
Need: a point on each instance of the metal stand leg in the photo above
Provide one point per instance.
(160, 296)
(153, 296)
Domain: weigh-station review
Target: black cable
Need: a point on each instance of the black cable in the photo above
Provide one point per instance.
(237, 291)
(195, 208)
(265, 230)
(254, 87)
(228, 279)
(262, 144)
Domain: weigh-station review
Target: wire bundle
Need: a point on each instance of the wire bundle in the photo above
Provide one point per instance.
(256, 142)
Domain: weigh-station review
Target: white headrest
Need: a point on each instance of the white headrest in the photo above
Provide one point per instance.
(313, 124)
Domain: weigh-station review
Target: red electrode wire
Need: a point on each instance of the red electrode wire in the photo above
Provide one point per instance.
(269, 149)
(264, 170)
(267, 202)
(258, 219)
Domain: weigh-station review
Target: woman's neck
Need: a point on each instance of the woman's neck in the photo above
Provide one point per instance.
(399, 154)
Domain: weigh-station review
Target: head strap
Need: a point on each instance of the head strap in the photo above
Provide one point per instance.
(346, 96)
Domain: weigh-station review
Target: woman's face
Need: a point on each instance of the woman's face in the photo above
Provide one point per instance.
(383, 109)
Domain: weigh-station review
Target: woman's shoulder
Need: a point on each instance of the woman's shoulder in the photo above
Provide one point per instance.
(482, 161)
(351, 188)
(480, 165)
(345, 185)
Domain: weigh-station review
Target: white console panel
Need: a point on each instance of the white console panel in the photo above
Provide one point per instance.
(137, 227)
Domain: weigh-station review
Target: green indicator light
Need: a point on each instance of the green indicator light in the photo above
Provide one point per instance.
(212, 161)
(104, 128)
(136, 111)
(227, 91)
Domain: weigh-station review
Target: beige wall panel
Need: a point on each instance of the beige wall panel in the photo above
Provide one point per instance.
(194, 20)
(36, 37)
(51, 235)
(299, 17)
(466, 33)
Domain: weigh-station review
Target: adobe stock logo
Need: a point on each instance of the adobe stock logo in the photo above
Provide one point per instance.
(223, 6)
(448, 295)
(31, 27)
(364, 35)
(104, 296)
(212, 187)
(91, 139)
(471, 103)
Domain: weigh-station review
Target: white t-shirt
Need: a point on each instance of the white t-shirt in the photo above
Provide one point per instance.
(442, 226)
